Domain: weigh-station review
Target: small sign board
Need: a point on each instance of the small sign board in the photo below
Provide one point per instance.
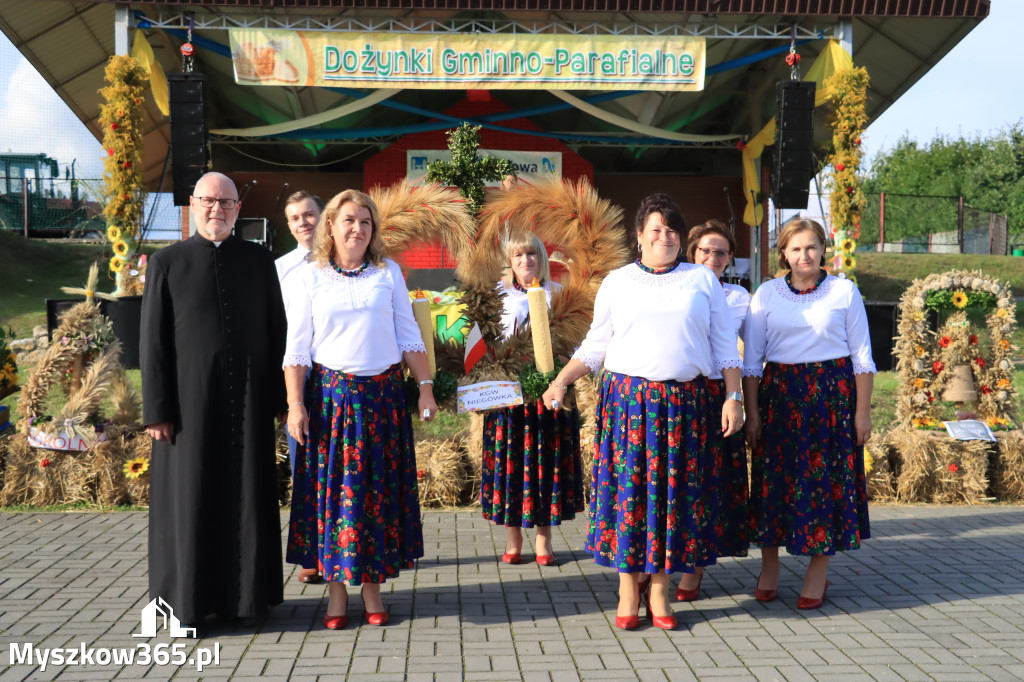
(969, 429)
(61, 441)
(489, 395)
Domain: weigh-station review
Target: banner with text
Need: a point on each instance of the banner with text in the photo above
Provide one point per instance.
(462, 61)
(532, 167)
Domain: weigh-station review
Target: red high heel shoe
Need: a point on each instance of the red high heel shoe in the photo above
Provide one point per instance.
(335, 622)
(510, 558)
(690, 595)
(633, 622)
(378, 618)
(806, 603)
(764, 595)
(546, 559)
(663, 622)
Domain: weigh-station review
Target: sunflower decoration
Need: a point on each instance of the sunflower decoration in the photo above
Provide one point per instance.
(8, 362)
(113, 233)
(849, 262)
(959, 299)
(116, 263)
(121, 248)
(848, 246)
(134, 468)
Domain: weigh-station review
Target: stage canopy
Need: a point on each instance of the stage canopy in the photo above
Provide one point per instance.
(618, 129)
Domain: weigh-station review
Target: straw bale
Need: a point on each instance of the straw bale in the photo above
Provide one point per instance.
(67, 478)
(442, 472)
(936, 468)
(1008, 466)
(107, 462)
(881, 480)
(474, 445)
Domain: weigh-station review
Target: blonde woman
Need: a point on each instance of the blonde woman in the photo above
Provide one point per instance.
(355, 509)
(531, 461)
(808, 413)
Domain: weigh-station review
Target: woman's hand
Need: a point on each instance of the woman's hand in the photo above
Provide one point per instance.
(554, 397)
(298, 423)
(732, 417)
(427, 405)
(862, 426)
(753, 428)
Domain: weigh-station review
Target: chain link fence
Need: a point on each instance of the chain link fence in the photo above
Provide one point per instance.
(905, 223)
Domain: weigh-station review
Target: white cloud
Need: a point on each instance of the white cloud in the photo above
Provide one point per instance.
(34, 120)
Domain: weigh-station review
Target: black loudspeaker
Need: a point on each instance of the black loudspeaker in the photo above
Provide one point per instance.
(188, 133)
(253, 230)
(793, 163)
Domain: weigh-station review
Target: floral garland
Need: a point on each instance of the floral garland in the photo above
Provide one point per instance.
(122, 122)
(925, 359)
(8, 364)
(848, 91)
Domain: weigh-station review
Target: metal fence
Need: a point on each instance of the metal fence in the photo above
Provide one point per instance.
(904, 223)
(72, 207)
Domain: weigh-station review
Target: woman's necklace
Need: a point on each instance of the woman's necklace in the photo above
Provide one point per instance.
(350, 273)
(517, 285)
(656, 271)
(801, 292)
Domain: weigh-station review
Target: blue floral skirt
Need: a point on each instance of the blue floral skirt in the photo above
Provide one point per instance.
(807, 485)
(531, 466)
(654, 506)
(733, 515)
(355, 507)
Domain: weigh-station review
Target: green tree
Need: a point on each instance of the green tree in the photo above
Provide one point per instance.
(987, 171)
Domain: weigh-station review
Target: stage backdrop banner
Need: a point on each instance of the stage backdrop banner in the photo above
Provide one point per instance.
(464, 61)
(533, 167)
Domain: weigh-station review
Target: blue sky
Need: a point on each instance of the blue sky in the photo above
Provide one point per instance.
(977, 89)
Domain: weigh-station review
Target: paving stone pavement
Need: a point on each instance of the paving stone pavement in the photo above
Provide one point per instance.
(936, 594)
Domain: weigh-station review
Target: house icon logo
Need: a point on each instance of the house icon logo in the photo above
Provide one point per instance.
(158, 611)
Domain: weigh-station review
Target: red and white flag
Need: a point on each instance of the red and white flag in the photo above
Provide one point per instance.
(475, 347)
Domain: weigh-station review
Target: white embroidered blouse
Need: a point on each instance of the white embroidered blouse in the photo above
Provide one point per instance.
(738, 300)
(517, 306)
(672, 326)
(358, 325)
(289, 261)
(825, 324)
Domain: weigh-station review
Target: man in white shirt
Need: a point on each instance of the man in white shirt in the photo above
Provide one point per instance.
(302, 211)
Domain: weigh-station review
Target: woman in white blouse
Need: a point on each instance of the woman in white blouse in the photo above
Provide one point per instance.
(355, 509)
(808, 413)
(712, 244)
(660, 328)
(531, 458)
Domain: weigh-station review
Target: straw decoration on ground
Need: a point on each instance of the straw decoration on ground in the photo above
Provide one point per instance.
(424, 214)
(935, 468)
(881, 479)
(442, 472)
(1007, 473)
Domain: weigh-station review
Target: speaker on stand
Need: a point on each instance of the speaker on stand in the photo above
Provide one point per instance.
(793, 162)
(188, 133)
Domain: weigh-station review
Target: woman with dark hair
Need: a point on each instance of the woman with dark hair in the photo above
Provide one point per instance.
(355, 508)
(660, 328)
(712, 244)
(531, 473)
(808, 413)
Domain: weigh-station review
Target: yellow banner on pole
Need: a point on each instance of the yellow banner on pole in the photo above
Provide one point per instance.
(462, 61)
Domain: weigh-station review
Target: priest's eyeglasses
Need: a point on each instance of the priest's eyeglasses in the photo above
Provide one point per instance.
(208, 202)
(717, 253)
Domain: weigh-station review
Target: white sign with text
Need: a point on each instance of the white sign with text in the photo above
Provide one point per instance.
(489, 395)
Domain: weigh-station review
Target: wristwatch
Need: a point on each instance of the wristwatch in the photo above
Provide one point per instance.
(734, 395)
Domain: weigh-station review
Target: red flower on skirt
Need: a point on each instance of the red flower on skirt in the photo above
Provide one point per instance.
(819, 534)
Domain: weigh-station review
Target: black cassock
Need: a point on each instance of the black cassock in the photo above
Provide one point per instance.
(212, 343)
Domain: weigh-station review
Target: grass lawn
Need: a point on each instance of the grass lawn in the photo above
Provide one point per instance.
(884, 276)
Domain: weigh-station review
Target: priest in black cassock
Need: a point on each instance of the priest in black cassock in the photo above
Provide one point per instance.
(213, 336)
